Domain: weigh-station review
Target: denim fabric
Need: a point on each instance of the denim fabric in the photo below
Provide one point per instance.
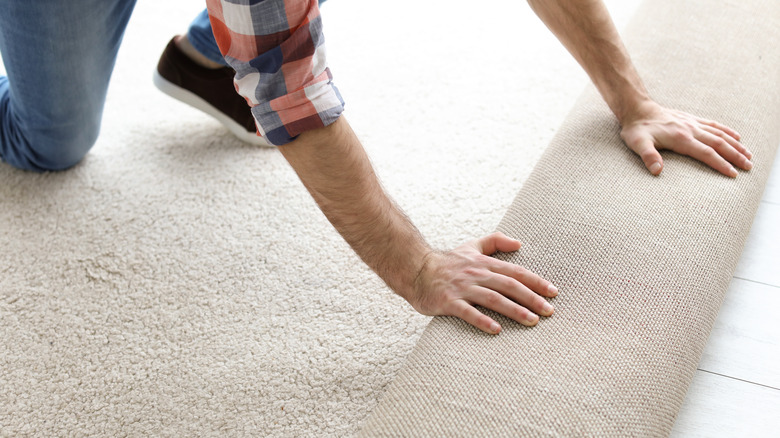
(202, 39)
(59, 56)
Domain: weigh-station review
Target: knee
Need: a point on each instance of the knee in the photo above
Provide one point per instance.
(53, 148)
(65, 147)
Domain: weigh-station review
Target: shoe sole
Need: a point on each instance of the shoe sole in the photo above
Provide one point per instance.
(198, 102)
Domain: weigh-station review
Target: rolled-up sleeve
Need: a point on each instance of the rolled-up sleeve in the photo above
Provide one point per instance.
(277, 49)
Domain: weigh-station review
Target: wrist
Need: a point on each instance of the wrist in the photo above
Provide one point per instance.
(404, 275)
(416, 293)
(424, 265)
(637, 110)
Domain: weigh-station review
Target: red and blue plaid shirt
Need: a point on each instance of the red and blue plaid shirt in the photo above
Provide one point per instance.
(276, 48)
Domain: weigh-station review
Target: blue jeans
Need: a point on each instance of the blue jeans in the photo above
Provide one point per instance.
(59, 56)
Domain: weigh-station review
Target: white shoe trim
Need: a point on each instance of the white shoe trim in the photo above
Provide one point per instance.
(198, 102)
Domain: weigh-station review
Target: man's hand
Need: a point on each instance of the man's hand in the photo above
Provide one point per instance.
(334, 167)
(655, 127)
(452, 283)
(585, 28)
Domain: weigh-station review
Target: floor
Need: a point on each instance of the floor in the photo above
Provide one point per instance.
(736, 390)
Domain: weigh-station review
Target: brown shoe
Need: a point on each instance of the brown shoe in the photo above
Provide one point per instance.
(209, 90)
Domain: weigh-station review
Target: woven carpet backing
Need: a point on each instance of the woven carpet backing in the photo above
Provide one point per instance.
(642, 262)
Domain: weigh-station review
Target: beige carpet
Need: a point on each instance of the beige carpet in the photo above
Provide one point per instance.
(642, 262)
(179, 283)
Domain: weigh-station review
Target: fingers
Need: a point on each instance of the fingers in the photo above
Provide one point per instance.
(725, 151)
(454, 282)
(514, 292)
(731, 141)
(721, 127)
(717, 147)
(710, 142)
(519, 293)
(471, 315)
(497, 242)
(705, 143)
(524, 276)
(708, 155)
(645, 148)
(496, 302)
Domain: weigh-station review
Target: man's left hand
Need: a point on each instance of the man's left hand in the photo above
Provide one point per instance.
(654, 127)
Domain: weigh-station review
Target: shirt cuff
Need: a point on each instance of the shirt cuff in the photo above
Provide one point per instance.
(277, 49)
(317, 105)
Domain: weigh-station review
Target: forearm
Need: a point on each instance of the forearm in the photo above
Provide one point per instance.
(586, 29)
(335, 169)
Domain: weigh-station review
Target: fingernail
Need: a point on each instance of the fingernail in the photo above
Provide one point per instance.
(655, 168)
(547, 308)
(732, 172)
(748, 165)
(494, 327)
(749, 154)
(533, 319)
(552, 290)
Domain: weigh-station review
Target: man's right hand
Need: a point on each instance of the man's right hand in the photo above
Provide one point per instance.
(335, 169)
(452, 283)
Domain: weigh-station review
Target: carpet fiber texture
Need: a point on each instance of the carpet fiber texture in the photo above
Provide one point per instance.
(180, 283)
(642, 262)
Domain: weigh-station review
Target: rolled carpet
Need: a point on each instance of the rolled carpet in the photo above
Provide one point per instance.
(642, 262)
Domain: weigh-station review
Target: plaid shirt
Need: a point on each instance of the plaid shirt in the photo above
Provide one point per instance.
(276, 48)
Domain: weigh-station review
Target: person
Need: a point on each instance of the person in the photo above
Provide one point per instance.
(51, 104)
